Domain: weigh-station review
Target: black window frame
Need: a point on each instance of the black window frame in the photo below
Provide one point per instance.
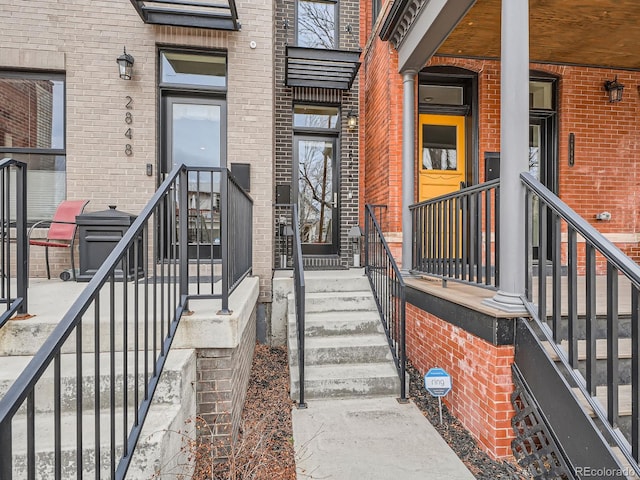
(11, 152)
(376, 6)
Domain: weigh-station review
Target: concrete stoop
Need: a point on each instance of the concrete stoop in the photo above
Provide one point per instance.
(167, 428)
(346, 350)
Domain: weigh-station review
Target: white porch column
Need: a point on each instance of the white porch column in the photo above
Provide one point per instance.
(514, 156)
(408, 162)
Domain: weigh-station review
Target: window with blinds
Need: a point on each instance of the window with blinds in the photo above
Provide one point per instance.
(32, 130)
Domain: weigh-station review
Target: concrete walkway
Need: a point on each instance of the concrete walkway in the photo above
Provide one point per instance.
(371, 439)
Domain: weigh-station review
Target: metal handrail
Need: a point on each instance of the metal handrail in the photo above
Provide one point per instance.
(453, 235)
(13, 218)
(154, 271)
(299, 291)
(388, 289)
(553, 217)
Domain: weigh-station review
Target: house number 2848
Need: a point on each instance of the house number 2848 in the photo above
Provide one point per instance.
(128, 120)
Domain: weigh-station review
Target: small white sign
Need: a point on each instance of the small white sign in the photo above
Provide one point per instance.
(437, 382)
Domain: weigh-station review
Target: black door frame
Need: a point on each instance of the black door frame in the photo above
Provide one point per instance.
(331, 248)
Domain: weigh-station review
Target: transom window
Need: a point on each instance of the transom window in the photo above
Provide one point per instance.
(316, 24)
(32, 130)
(315, 116)
(193, 69)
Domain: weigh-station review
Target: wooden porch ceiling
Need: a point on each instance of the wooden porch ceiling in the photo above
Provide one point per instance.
(583, 32)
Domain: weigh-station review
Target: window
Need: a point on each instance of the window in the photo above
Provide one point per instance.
(196, 70)
(376, 5)
(315, 116)
(32, 130)
(316, 25)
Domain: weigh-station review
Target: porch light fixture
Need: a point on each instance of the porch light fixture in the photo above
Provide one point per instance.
(125, 64)
(352, 121)
(614, 90)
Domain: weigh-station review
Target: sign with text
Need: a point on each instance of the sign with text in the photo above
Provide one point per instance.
(437, 382)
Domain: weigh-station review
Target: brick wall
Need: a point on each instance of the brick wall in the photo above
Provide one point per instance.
(481, 374)
(285, 97)
(222, 379)
(605, 174)
(83, 40)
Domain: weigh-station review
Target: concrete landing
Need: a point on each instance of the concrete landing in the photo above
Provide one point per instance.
(371, 439)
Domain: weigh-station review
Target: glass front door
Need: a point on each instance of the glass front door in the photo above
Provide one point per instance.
(316, 187)
(194, 136)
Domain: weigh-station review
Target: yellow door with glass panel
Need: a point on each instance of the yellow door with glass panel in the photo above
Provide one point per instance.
(441, 155)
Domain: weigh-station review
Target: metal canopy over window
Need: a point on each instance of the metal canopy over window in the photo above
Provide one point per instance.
(321, 68)
(220, 15)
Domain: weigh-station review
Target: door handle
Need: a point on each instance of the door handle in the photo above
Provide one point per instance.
(335, 199)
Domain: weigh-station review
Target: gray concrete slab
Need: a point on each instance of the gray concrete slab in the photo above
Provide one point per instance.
(371, 439)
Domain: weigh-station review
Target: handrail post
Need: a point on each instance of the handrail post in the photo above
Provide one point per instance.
(366, 241)
(224, 239)
(403, 346)
(6, 454)
(22, 265)
(299, 294)
(184, 240)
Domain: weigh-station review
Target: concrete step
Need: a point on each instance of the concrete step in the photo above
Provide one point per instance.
(624, 326)
(336, 301)
(25, 337)
(340, 323)
(624, 405)
(175, 379)
(342, 349)
(159, 433)
(346, 380)
(336, 281)
(624, 359)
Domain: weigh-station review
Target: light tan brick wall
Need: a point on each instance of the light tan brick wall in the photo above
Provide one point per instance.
(83, 39)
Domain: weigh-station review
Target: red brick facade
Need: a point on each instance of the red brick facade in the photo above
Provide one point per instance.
(481, 375)
(604, 177)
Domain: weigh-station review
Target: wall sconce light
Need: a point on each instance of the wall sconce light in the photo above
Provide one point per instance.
(125, 64)
(614, 90)
(352, 120)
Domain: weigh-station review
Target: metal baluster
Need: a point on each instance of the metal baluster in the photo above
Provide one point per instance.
(97, 389)
(487, 237)
(572, 287)
(79, 395)
(542, 262)
(556, 278)
(635, 373)
(57, 417)
(612, 345)
(31, 436)
(591, 326)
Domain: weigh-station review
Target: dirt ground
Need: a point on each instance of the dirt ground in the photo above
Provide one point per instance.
(265, 451)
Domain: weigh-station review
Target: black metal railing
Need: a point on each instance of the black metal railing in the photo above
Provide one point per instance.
(587, 270)
(13, 238)
(388, 290)
(289, 255)
(127, 316)
(456, 236)
(213, 233)
(299, 291)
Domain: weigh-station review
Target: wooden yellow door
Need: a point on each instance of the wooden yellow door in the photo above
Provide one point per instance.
(441, 155)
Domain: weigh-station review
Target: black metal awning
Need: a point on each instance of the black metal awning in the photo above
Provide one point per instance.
(221, 15)
(321, 68)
